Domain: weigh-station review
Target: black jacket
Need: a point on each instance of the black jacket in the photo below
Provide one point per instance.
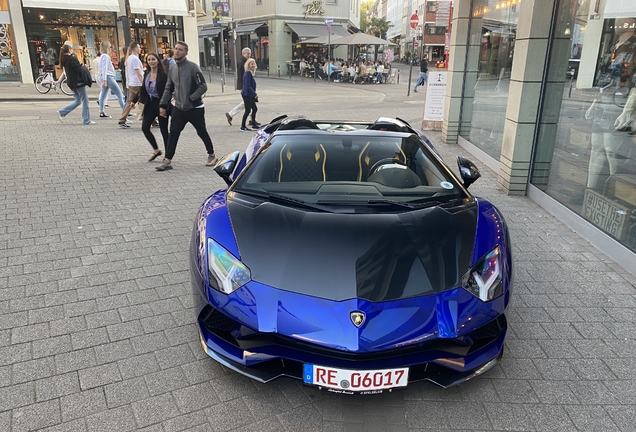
(71, 66)
(162, 79)
(424, 65)
(240, 71)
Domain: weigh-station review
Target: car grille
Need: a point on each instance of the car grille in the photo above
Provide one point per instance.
(245, 338)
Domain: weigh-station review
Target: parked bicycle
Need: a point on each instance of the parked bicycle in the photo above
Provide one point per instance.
(46, 81)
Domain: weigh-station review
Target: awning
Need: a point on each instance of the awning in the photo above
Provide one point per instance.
(620, 9)
(248, 28)
(306, 31)
(161, 7)
(90, 5)
(210, 32)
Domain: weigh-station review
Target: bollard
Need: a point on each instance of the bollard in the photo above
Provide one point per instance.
(278, 67)
(398, 76)
(314, 74)
(268, 69)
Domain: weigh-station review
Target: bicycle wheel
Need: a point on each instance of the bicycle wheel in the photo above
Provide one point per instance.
(42, 87)
(65, 88)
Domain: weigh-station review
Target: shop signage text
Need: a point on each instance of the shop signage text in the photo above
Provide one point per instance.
(314, 8)
(159, 22)
(605, 214)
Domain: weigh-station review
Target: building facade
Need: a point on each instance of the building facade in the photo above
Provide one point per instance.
(275, 30)
(544, 91)
(33, 31)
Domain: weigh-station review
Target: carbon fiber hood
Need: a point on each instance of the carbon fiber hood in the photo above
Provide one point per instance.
(376, 257)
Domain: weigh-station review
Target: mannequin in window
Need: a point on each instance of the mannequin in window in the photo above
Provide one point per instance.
(624, 58)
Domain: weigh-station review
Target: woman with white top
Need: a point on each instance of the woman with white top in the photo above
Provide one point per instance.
(107, 80)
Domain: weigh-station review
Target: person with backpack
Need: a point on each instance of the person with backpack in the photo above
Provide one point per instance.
(168, 60)
(77, 82)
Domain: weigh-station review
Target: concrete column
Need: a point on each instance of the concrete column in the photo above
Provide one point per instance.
(21, 44)
(191, 37)
(456, 70)
(280, 40)
(522, 111)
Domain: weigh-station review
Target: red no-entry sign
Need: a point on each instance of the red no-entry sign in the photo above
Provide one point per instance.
(414, 21)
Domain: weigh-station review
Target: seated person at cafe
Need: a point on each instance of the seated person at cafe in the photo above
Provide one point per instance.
(333, 72)
(378, 73)
(302, 66)
(352, 72)
(363, 72)
(318, 69)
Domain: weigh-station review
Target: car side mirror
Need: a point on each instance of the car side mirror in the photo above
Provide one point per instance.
(225, 166)
(468, 171)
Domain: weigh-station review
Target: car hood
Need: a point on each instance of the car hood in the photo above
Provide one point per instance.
(376, 257)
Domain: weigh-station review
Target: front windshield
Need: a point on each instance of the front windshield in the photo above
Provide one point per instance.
(350, 168)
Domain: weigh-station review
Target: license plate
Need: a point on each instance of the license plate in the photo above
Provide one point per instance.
(353, 381)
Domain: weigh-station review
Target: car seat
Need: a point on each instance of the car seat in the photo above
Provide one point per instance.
(302, 163)
(371, 154)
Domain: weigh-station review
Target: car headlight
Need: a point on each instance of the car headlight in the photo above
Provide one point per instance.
(483, 280)
(227, 274)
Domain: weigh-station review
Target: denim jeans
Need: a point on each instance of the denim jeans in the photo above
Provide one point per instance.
(112, 86)
(81, 97)
(421, 80)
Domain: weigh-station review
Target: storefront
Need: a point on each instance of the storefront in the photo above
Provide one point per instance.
(48, 29)
(168, 31)
(550, 104)
(592, 168)
(9, 70)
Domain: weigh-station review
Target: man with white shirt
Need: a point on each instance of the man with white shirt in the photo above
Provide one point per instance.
(134, 75)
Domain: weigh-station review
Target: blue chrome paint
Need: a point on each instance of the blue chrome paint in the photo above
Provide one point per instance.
(492, 230)
(327, 323)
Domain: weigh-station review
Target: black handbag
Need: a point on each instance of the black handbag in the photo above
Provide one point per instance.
(84, 77)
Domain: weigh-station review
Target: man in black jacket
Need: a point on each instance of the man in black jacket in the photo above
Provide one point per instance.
(187, 85)
(421, 80)
(240, 70)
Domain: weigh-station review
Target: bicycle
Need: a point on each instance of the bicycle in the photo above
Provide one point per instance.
(46, 81)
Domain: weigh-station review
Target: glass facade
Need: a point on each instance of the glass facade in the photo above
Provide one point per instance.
(491, 44)
(47, 29)
(9, 70)
(586, 148)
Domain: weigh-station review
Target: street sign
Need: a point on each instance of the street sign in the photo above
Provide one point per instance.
(328, 21)
(415, 20)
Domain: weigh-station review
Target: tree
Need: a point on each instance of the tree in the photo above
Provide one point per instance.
(365, 7)
(378, 27)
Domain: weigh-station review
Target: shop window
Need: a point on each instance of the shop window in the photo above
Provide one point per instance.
(585, 155)
(487, 77)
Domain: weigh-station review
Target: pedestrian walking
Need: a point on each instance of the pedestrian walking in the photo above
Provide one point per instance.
(240, 71)
(249, 94)
(421, 80)
(168, 60)
(134, 74)
(122, 70)
(154, 81)
(187, 85)
(107, 77)
(72, 70)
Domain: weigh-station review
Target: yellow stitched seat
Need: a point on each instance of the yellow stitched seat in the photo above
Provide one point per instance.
(302, 163)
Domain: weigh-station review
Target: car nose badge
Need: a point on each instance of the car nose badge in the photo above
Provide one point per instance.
(357, 318)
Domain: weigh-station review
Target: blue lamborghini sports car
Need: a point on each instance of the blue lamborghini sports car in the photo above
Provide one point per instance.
(349, 256)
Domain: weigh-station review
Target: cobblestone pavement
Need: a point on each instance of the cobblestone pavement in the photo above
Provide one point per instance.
(97, 331)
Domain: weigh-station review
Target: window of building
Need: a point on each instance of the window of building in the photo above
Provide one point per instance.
(431, 6)
(585, 155)
(433, 30)
(492, 33)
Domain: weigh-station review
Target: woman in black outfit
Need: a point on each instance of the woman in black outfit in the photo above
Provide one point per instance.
(154, 83)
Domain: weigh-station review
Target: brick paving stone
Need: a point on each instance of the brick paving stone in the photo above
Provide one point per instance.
(96, 324)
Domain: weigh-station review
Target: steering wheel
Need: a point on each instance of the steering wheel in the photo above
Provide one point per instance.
(374, 168)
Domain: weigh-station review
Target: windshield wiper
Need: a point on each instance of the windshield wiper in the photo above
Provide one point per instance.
(404, 204)
(273, 197)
